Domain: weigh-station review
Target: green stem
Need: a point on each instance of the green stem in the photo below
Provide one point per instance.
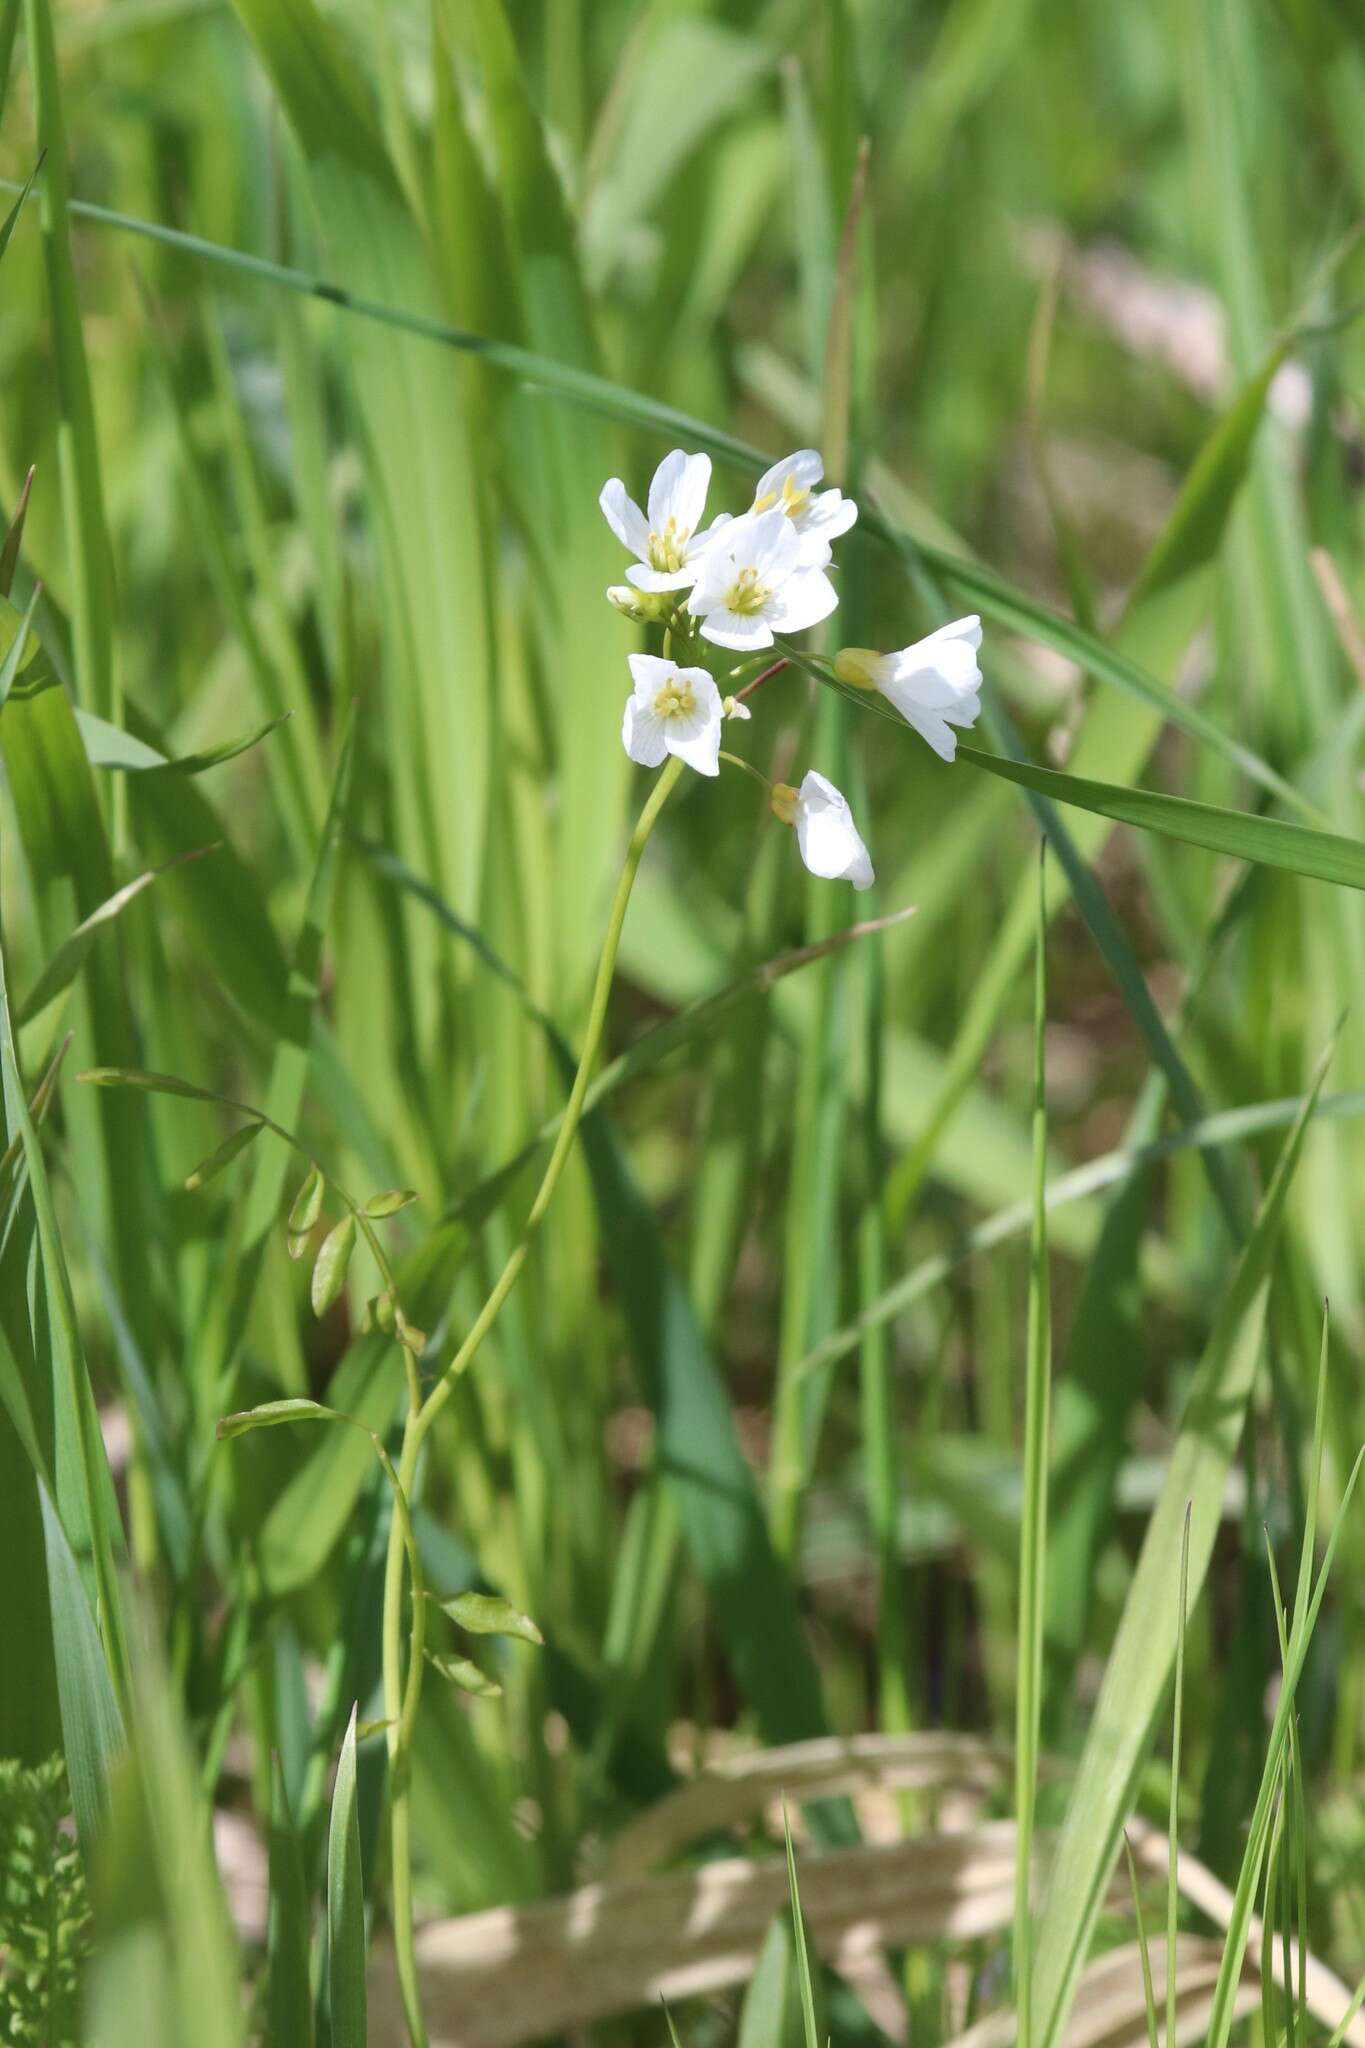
(400, 1711)
(400, 1701)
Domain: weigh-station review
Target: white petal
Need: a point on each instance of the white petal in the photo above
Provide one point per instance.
(642, 735)
(696, 740)
(938, 674)
(715, 573)
(624, 516)
(827, 836)
(730, 629)
(804, 468)
(829, 515)
(803, 600)
(649, 673)
(768, 544)
(645, 578)
(934, 727)
(678, 491)
(967, 630)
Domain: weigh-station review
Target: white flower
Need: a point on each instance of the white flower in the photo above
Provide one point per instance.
(933, 684)
(818, 517)
(672, 710)
(829, 840)
(666, 544)
(753, 580)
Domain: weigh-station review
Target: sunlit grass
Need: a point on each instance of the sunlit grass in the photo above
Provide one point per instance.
(891, 1363)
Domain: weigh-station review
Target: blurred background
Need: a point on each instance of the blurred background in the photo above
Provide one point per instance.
(1094, 329)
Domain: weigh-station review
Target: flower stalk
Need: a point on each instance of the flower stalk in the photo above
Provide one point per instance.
(402, 1695)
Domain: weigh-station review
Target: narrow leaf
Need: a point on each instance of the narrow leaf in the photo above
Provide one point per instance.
(1299, 849)
(230, 1149)
(346, 1906)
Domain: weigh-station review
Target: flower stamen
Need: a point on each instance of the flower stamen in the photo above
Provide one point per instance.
(676, 700)
(667, 548)
(746, 595)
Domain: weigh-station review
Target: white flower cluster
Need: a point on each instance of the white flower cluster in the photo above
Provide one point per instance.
(746, 579)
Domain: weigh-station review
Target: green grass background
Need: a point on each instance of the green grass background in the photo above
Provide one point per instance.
(749, 1443)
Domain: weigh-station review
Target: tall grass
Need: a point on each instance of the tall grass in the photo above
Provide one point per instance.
(322, 326)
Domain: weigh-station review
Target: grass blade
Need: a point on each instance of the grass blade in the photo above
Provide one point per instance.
(288, 1993)
(346, 1906)
(1273, 842)
(92, 1726)
(1033, 1531)
(1144, 1649)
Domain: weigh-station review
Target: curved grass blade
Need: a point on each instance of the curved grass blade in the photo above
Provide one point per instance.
(1272, 842)
(1227, 1127)
(87, 1506)
(1108, 935)
(999, 599)
(346, 1907)
(1144, 1649)
(9, 21)
(14, 540)
(109, 746)
(66, 962)
(92, 1726)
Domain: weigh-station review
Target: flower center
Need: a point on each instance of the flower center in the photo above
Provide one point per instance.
(676, 699)
(746, 595)
(667, 549)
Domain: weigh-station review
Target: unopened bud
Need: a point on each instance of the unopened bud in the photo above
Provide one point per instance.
(734, 708)
(646, 607)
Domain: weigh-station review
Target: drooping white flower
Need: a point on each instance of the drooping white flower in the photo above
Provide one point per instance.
(819, 517)
(753, 580)
(672, 710)
(830, 843)
(933, 684)
(666, 544)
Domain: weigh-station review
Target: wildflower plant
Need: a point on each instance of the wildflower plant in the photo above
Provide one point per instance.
(733, 587)
(709, 593)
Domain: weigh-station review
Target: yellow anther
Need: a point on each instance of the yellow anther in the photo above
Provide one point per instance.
(746, 594)
(794, 497)
(666, 549)
(676, 699)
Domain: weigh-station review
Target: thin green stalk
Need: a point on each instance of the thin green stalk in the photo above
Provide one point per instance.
(1033, 1531)
(400, 1701)
(1173, 1850)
